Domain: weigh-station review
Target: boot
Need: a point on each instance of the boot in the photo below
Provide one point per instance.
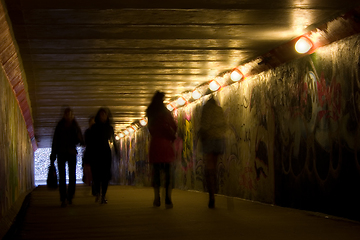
(168, 202)
(211, 202)
(97, 197)
(211, 180)
(103, 200)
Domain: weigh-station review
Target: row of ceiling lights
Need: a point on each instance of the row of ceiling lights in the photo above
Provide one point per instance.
(303, 45)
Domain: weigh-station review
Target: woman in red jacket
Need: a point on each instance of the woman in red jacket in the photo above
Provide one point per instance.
(162, 129)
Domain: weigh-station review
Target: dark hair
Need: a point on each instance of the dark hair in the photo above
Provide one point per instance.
(157, 105)
(158, 97)
(105, 110)
(67, 110)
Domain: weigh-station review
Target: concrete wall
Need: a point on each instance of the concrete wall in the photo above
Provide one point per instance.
(292, 136)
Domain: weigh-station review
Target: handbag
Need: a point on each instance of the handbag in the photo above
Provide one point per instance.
(52, 177)
(87, 175)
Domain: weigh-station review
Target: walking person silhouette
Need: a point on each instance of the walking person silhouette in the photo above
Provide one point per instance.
(102, 135)
(66, 137)
(162, 128)
(212, 133)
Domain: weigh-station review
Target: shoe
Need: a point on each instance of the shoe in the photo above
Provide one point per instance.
(103, 200)
(168, 204)
(157, 202)
(97, 198)
(63, 204)
(211, 203)
(70, 201)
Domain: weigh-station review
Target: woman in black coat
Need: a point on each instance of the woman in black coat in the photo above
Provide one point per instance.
(101, 134)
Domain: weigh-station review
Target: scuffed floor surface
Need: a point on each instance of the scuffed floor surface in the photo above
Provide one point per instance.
(129, 214)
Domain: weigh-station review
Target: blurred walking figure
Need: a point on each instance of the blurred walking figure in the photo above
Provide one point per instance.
(162, 129)
(102, 135)
(66, 136)
(212, 133)
(88, 155)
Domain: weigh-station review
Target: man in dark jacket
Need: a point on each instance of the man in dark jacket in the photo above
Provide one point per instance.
(67, 135)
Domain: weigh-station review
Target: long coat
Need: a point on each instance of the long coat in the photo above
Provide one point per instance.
(163, 130)
(100, 136)
(213, 128)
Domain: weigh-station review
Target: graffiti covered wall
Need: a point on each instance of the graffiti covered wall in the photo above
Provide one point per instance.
(317, 165)
(134, 166)
(245, 169)
(292, 136)
(16, 152)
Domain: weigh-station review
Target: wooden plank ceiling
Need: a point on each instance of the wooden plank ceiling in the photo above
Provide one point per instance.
(88, 54)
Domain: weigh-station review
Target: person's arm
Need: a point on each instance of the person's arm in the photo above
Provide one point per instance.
(54, 145)
(79, 136)
(169, 127)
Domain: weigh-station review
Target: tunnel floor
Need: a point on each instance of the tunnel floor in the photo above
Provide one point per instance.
(129, 214)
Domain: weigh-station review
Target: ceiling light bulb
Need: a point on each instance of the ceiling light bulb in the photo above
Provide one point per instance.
(135, 127)
(187, 96)
(126, 132)
(196, 94)
(181, 101)
(143, 122)
(236, 75)
(214, 85)
(303, 45)
(117, 137)
(122, 135)
(131, 130)
(170, 107)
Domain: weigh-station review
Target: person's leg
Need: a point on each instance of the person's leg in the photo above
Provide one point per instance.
(168, 186)
(104, 186)
(62, 180)
(96, 182)
(156, 183)
(93, 189)
(72, 177)
(105, 178)
(210, 175)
